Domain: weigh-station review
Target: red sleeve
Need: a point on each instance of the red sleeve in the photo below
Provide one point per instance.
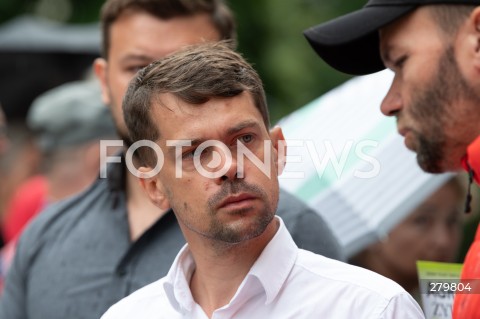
(27, 201)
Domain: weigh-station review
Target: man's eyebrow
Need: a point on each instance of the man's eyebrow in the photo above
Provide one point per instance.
(174, 144)
(197, 141)
(136, 58)
(177, 143)
(243, 125)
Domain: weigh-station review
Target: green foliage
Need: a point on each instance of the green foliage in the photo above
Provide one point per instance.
(270, 36)
(11, 8)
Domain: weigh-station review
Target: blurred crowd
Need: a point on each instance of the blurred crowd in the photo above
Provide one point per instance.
(54, 154)
(59, 158)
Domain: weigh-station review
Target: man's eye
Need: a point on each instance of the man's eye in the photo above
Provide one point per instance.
(135, 68)
(246, 138)
(398, 64)
(188, 155)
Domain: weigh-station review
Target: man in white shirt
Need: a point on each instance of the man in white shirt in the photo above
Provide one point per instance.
(202, 118)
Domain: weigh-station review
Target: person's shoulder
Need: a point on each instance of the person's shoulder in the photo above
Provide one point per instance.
(54, 215)
(308, 228)
(361, 292)
(145, 302)
(289, 206)
(345, 276)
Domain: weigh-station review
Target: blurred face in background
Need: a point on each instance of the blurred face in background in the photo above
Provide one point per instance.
(136, 40)
(431, 232)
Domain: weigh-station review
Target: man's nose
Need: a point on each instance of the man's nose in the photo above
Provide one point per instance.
(229, 165)
(392, 103)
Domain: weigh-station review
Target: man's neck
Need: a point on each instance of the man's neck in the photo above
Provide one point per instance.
(218, 274)
(142, 213)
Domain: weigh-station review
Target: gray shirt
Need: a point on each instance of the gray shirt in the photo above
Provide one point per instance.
(76, 258)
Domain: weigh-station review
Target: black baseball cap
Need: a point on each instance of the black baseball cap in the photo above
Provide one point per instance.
(350, 43)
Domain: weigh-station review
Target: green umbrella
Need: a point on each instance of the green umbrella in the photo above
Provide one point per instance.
(347, 161)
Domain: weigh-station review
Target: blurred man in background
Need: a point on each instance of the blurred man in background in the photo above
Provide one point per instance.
(68, 123)
(19, 160)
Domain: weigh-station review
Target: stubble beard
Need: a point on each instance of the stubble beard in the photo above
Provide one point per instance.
(432, 107)
(230, 234)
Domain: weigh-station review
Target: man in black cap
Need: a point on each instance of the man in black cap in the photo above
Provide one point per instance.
(433, 46)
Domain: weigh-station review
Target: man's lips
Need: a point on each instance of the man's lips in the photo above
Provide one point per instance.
(408, 138)
(403, 131)
(236, 200)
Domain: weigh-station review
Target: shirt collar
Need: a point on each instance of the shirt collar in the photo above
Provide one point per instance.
(275, 262)
(271, 269)
(177, 283)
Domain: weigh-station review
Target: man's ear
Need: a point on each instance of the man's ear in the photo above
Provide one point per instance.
(467, 46)
(154, 188)
(100, 67)
(279, 147)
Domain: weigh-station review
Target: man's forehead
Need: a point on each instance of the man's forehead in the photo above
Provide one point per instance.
(170, 108)
(410, 22)
(171, 34)
(174, 105)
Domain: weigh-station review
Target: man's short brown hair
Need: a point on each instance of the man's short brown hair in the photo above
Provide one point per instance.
(450, 17)
(221, 16)
(195, 75)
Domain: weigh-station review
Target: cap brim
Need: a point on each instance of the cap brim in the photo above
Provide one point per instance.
(350, 43)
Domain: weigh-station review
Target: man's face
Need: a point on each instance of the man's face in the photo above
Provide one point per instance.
(433, 103)
(431, 232)
(137, 39)
(226, 208)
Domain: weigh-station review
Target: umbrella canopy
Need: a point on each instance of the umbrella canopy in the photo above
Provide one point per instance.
(347, 161)
(34, 34)
(37, 55)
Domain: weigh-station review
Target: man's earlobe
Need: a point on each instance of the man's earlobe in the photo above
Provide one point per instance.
(279, 148)
(466, 45)
(100, 67)
(154, 188)
(475, 20)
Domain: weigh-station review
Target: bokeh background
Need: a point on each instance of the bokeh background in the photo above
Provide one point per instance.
(270, 36)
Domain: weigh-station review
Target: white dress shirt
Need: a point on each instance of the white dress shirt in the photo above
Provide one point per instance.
(284, 282)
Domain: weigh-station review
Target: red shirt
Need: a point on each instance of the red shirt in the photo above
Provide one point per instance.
(27, 202)
(467, 306)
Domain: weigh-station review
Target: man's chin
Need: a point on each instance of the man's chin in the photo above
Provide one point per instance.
(437, 166)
